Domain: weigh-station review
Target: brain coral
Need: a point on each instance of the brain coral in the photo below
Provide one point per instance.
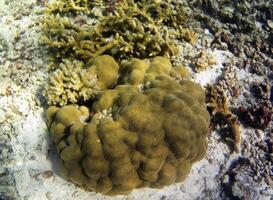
(132, 137)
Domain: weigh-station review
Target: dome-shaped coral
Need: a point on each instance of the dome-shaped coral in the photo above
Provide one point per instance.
(136, 71)
(133, 138)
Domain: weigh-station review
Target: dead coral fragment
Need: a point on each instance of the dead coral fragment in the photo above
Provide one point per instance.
(134, 29)
(261, 90)
(257, 116)
(204, 61)
(74, 81)
(218, 107)
(133, 138)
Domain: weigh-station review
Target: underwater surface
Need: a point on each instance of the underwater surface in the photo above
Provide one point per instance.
(115, 99)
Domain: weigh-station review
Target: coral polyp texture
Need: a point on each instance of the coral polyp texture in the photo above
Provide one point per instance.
(147, 131)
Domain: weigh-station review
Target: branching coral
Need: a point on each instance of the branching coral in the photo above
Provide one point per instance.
(218, 107)
(74, 81)
(134, 137)
(76, 6)
(134, 28)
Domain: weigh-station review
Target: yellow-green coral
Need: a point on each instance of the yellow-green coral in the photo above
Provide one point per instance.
(57, 6)
(136, 71)
(132, 137)
(133, 28)
(74, 81)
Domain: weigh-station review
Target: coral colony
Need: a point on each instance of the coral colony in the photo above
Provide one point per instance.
(145, 132)
(120, 117)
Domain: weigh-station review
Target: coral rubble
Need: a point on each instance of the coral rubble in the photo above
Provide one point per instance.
(258, 116)
(240, 19)
(204, 60)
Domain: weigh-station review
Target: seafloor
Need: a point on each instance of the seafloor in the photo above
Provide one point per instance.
(239, 34)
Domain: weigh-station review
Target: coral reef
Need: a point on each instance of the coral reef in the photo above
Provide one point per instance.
(243, 27)
(28, 158)
(145, 132)
(131, 28)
